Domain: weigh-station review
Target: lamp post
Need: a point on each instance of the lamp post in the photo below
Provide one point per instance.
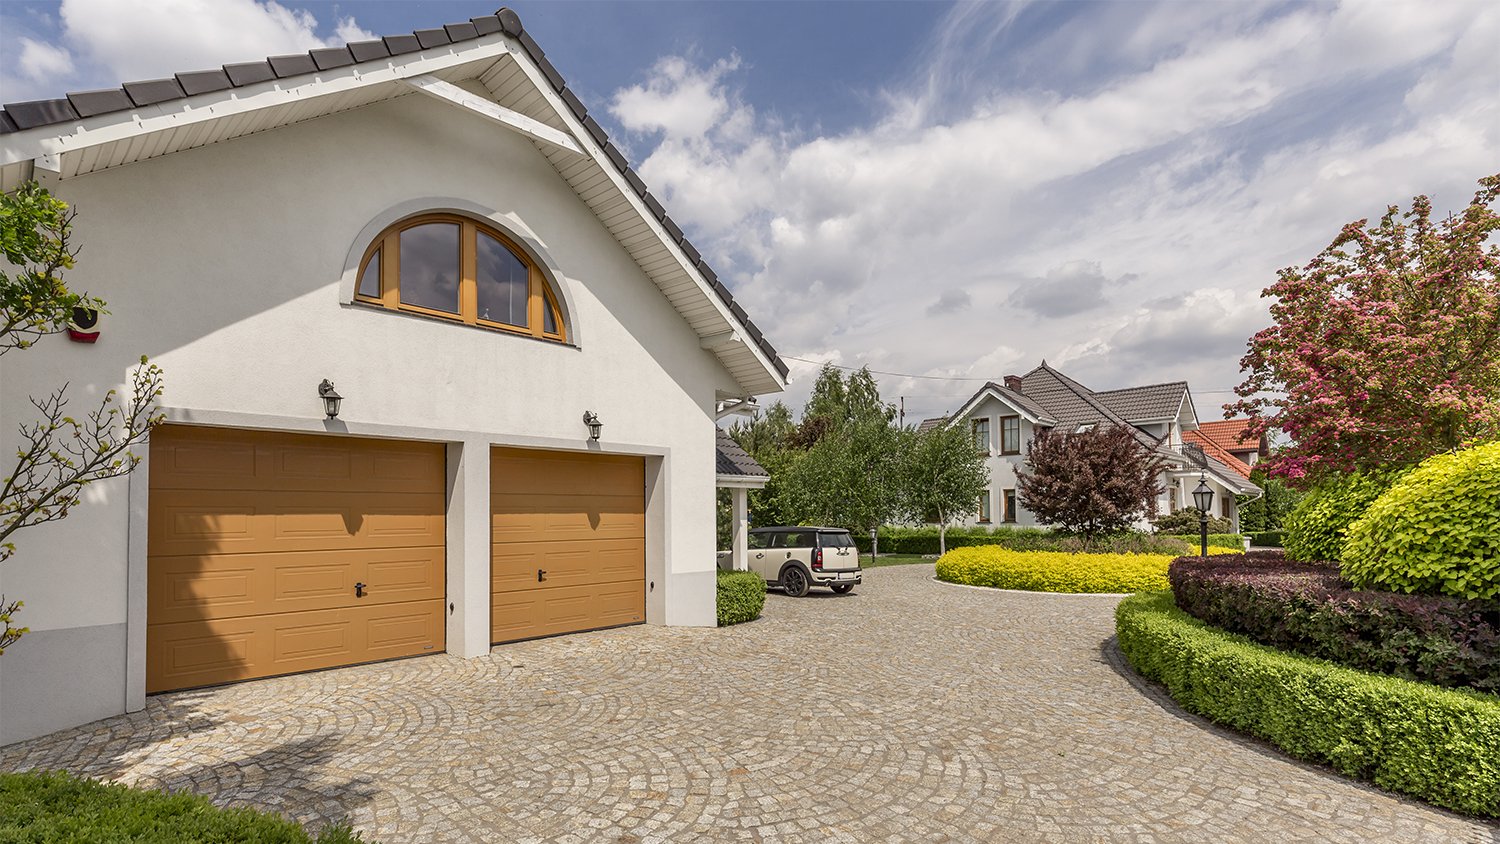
(1203, 499)
(874, 544)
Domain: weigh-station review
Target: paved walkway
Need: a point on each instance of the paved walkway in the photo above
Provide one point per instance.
(909, 711)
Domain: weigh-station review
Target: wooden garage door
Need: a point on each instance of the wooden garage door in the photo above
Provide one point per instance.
(580, 519)
(256, 543)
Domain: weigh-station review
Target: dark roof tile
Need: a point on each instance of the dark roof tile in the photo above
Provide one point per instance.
(656, 210)
(331, 57)
(616, 157)
(368, 51)
(90, 103)
(430, 38)
(460, 31)
(401, 44)
(553, 77)
(692, 252)
(673, 230)
(40, 112)
(723, 292)
(510, 22)
(636, 183)
(595, 131)
(1139, 404)
(487, 25)
(203, 81)
(708, 273)
(153, 91)
(739, 312)
(575, 105)
(732, 459)
(292, 65)
(7, 124)
(249, 73)
(530, 44)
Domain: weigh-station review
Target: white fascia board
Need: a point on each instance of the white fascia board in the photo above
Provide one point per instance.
(740, 482)
(61, 138)
(988, 392)
(494, 112)
(616, 178)
(1187, 401)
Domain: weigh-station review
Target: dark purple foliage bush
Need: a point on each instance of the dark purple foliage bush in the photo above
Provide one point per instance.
(1307, 608)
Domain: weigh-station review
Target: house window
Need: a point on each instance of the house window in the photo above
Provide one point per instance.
(984, 508)
(1010, 505)
(455, 268)
(982, 435)
(1010, 435)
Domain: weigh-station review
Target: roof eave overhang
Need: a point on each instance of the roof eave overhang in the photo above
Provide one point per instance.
(990, 391)
(740, 481)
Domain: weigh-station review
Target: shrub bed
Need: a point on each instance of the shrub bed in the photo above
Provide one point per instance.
(56, 806)
(924, 540)
(1442, 745)
(741, 597)
(1054, 571)
(1435, 531)
(1307, 608)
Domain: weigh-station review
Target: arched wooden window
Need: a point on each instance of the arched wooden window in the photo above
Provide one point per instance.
(452, 267)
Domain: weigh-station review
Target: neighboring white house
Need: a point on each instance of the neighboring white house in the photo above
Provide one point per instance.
(1005, 416)
(433, 223)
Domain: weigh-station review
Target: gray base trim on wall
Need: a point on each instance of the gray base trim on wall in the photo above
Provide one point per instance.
(55, 679)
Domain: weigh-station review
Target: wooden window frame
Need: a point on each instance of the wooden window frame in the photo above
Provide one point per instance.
(1003, 449)
(539, 295)
(974, 426)
(1008, 505)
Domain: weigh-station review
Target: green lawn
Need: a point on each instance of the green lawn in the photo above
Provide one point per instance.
(893, 560)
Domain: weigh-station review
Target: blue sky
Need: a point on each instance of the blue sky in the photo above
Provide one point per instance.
(953, 191)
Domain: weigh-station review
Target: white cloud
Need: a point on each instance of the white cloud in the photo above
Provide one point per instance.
(1234, 143)
(41, 62)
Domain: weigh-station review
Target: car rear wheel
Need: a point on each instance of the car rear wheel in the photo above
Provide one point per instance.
(843, 588)
(794, 582)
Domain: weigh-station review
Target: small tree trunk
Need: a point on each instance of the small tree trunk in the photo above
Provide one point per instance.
(942, 536)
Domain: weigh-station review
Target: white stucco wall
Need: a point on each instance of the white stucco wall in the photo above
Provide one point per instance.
(224, 265)
(1002, 466)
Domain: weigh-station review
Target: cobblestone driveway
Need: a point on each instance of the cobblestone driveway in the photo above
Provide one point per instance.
(908, 711)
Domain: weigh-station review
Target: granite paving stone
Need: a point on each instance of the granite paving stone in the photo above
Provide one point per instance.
(909, 710)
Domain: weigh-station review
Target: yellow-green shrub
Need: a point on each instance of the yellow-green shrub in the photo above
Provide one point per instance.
(1437, 530)
(1056, 571)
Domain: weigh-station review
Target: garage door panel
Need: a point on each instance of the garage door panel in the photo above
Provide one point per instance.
(245, 521)
(557, 518)
(185, 457)
(550, 612)
(514, 565)
(563, 473)
(201, 653)
(229, 585)
(257, 542)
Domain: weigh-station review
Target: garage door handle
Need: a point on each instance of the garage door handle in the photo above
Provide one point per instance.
(359, 590)
(541, 575)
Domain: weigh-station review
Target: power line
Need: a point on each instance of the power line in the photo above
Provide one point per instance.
(934, 377)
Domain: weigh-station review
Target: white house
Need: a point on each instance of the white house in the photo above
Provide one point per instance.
(433, 223)
(1005, 416)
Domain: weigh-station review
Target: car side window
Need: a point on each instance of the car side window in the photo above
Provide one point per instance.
(758, 540)
(800, 540)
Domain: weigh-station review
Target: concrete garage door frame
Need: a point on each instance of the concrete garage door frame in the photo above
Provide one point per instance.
(468, 548)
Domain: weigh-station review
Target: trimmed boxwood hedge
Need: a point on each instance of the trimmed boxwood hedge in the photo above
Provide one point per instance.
(1307, 608)
(1442, 745)
(57, 806)
(741, 596)
(924, 540)
(1266, 539)
(1055, 571)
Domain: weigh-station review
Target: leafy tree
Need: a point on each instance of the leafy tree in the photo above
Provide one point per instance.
(1386, 345)
(1270, 510)
(59, 454)
(1092, 482)
(944, 475)
(767, 438)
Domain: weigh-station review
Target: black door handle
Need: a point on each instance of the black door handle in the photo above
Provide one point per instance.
(359, 590)
(541, 575)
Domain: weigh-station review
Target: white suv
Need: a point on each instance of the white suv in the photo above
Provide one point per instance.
(799, 558)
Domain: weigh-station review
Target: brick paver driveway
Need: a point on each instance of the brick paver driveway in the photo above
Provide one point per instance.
(909, 711)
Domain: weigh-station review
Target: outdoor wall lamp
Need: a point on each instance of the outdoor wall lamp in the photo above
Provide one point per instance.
(591, 419)
(330, 398)
(1203, 499)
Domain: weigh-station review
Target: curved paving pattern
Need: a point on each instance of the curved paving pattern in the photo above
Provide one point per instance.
(909, 711)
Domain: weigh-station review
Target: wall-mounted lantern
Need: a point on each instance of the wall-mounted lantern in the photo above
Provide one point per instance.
(591, 419)
(331, 399)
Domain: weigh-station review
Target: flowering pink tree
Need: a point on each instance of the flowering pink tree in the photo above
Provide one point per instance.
(1385, 347)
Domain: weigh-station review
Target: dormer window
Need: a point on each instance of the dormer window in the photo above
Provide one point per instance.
(452, 267)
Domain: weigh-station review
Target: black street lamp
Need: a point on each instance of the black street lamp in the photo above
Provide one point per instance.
(331, 399)
(1203, 499)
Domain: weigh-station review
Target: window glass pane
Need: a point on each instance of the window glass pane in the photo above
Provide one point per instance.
(549, 319)
(1010, 434)
(429, 266)
(758, 540)
(503, 284)
(369, 283)
(836, 540)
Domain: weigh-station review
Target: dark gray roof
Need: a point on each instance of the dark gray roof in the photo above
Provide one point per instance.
(1071, 403)
(15, 117)
(1138, 404)
(929, 424)
(734, 460)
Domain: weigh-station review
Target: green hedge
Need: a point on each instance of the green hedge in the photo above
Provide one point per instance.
(1215, 540)
(1442, 745)
(1054, 571)
(741, 596)
(56, 806)
(1266, 539)
(924, 540)
(1435, 531)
